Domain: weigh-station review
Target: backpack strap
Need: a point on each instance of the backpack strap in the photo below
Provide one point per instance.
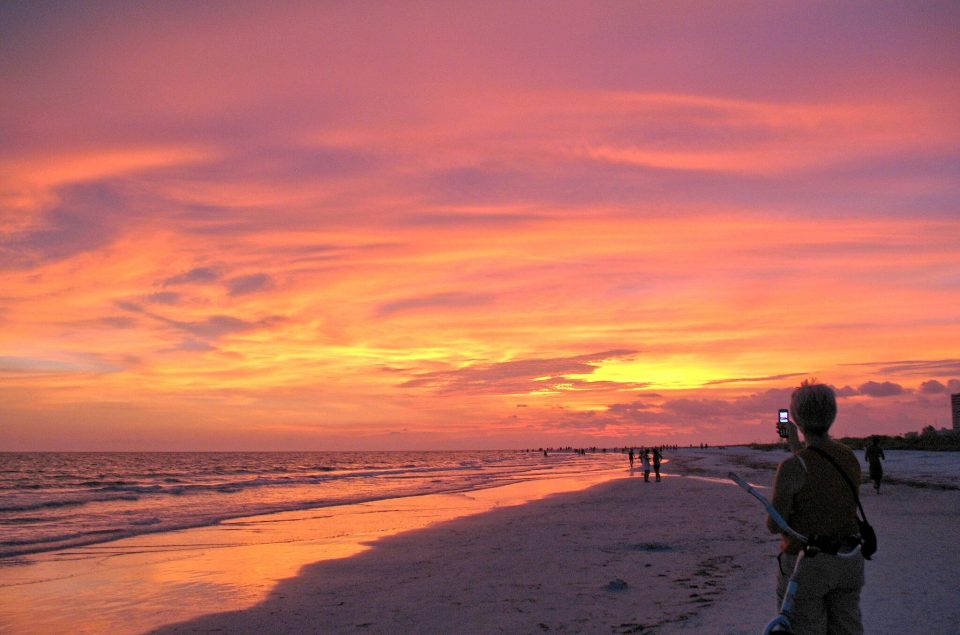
(853, 488)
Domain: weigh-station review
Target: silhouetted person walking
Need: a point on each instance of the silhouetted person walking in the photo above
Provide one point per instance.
(873, 454)
(656, 462)
(645, 460)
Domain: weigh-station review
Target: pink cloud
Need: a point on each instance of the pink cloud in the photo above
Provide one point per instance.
(283, 204)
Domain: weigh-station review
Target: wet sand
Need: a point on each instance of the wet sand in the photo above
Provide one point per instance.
(687, 555)
(132, 585)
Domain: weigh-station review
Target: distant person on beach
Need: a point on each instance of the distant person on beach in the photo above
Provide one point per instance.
(815, 500)
(657, 457)
(631, 458)
(645, 461)
(873, 454)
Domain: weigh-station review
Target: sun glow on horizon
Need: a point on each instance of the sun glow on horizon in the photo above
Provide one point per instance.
(580, 225)
(675, 373)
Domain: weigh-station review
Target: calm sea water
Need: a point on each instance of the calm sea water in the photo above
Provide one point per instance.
(51, 501)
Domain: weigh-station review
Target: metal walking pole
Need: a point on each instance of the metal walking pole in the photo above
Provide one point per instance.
(786, 607)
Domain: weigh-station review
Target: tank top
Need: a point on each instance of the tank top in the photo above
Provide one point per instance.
(824, 505)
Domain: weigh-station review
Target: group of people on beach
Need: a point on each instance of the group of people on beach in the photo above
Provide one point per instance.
(645, 456)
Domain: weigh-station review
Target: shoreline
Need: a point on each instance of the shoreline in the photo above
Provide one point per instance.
(699, 560)
(606, 558)
(100, 504)
(141, 582)
(688, 555)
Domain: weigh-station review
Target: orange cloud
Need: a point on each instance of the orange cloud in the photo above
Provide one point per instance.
(634, 227)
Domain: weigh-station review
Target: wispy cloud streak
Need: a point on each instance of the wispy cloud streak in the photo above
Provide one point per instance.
(245, 224)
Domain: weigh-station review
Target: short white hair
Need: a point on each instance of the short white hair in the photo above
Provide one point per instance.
(814, 407)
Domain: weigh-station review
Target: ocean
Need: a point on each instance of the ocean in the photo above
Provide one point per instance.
(53, 501)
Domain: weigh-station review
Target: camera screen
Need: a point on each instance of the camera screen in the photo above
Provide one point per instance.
(784, 416)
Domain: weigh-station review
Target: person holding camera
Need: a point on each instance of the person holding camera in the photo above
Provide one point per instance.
(817, 502)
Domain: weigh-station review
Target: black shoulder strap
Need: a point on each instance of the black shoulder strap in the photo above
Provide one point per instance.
(853, 488)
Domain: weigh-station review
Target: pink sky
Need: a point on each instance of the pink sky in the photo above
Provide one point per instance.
(473, 225)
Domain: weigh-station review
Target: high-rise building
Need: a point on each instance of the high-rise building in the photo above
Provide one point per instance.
(955, 403)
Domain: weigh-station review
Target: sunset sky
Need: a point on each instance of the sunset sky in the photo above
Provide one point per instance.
(418, 225)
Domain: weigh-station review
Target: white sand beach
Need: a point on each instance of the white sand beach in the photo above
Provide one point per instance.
(687, 555)
(691, 551)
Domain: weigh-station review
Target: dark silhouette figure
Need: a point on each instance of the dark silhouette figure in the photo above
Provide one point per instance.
(631, 458)
(656, 462)
(873, 454)
(645, 460)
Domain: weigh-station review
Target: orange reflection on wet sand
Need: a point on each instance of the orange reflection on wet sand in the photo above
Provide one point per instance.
(135, 584)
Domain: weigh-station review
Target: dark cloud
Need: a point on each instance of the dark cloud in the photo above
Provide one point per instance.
(846, 391)
(917, 367)
(243, 285)
(629, 409)
(212, 327)
(164, 297)
(690, 411)
(217, 326)
(674, 414)
(890, 172)
(14, 364)
(76, 363)
(452, 300)
(520, 376)
(238, 285)
(763, 404)
(118, 322)
(932, 387)
(91, 215)
(460, 219)
(313, 253)
(478, 183)
(878, 389)
(701, 408)
(254, 161)
(278, 167)
(571, 183)
(128, 305)
(583, 421)
(80, 222)
(653, 422)
(586, 183)
(197, 275)
(195, 346)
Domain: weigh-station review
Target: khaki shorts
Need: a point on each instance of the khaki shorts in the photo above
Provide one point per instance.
(828, 594)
